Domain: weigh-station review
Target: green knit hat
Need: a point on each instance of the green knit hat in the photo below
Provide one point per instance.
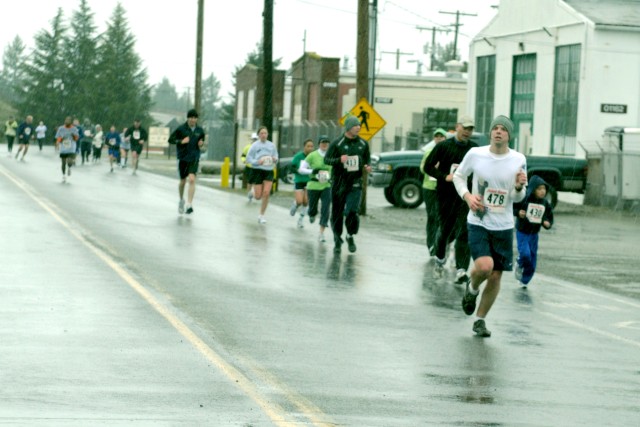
(350, 122)
(504, 121)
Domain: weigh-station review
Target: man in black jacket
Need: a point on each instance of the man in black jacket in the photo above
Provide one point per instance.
(441, 164)
(189, 140)
(349, 156)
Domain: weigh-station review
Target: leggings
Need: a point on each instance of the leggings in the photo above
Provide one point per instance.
(323, 196)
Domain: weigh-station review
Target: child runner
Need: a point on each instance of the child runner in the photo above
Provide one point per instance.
(113, 141)
(300, 182)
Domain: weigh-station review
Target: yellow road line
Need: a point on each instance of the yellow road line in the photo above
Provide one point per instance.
(274, 411)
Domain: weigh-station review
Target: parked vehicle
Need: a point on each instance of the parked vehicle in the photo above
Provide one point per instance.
(398, 172)
(285, 172)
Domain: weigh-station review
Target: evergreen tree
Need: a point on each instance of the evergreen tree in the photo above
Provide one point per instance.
(81, 56)
(45, 85)
(165, 97)
(121, 91)
(12, 75)
(210, 98)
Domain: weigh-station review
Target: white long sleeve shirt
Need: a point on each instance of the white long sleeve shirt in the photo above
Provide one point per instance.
(494, 180)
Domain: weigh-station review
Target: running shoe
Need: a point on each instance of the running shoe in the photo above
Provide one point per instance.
(338, 245)
(518, 272)
(294, 209)
(468, 301)
(189, 210)
(480, 328)
(438, 270)
(301, 222)
(312, 219)
(462, 277)
(180, 204)
(351, 243)
(64, 178)
(321, 238)
(262, 220)
(250, 196)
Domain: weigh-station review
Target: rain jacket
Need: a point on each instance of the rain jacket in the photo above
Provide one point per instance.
(359, 155)
(537, 210)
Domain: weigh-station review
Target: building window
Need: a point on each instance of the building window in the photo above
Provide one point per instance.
(565, 100)
(523, 87)
(485, 90)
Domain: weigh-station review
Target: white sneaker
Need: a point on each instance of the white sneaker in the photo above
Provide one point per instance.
(321, 238)
(181, 206)
(250, 196)
(462, 277)
(301, 222)
(64, 178)
(262, 220)
(294, 209)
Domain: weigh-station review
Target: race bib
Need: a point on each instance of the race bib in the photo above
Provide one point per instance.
(495, 200)
(136, 134)
(453, 168)
(352, 164)
(267, 161)
(27, 131)
(112, 141)
(323, 176)
(66, 143)
(535, 212)
(87, 133)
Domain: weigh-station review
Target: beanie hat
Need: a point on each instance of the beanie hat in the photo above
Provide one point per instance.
(323, 138)
(350, 122)
(504, 121)
(192, 113)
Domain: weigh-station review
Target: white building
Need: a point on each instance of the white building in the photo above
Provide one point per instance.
(563, 70)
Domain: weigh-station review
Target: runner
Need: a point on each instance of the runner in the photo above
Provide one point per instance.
(125, 146)
(499, 179)
(137, 135)
(41, 132)
(349, 156)
(112, 139)
(189, 140)
(429, 194)
(452, 212)
(98, 142)
(246, 171)
(67, 138)
(25, 134)
(319, 186)
(301, 197)
(10, 127)
(263, 157)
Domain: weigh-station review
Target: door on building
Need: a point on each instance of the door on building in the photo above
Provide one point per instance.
(523, 100)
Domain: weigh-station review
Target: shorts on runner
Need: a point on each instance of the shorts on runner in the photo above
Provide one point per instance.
(497, 244)
(300, 185)
(258, 176)
(71, 156)
(186, 168)
(136, 147)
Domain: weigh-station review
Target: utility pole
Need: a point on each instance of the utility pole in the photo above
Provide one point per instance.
(457, 25)
(397, 53)
(373, 26)
(362, 74)
(198, 86)
(267, 66)
(433, 43)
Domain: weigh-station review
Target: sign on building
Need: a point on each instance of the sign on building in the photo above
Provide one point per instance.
(370, 120)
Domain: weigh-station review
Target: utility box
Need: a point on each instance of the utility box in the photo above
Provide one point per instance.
(621, 166)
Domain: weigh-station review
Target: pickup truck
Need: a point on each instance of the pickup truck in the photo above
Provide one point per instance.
(398, 172)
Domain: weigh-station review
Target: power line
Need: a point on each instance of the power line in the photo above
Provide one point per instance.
(457, 26)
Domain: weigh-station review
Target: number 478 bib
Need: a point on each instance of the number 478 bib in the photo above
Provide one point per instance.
(495, 200)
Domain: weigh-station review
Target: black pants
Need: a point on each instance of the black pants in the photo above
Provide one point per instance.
(433, 223)
(453, 225)
(10, 142)
(324, 197)
(40, 142)
(345, 208)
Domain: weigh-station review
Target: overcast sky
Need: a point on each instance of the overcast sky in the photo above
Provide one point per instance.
(165, 30)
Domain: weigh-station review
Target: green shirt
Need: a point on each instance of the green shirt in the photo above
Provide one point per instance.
(429, 183)
(316, 161)
(295, 162)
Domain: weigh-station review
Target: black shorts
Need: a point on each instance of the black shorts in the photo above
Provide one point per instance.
(497, 244)
(258, 176)
(300, 185)
(186, 168)
(136, 147)
(71, 156)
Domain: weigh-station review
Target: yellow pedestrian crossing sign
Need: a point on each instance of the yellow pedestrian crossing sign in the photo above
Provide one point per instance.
(370, 120)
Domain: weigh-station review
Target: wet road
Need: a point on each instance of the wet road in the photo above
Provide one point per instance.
(117, 310)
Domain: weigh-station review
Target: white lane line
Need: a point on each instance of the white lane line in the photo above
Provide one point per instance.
(590, 291)
(274, 411)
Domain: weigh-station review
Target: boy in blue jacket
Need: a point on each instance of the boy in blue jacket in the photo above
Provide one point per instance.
(532, 213)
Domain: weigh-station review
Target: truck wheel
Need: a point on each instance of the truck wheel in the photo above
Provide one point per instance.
(408, 193)
(388, 194)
